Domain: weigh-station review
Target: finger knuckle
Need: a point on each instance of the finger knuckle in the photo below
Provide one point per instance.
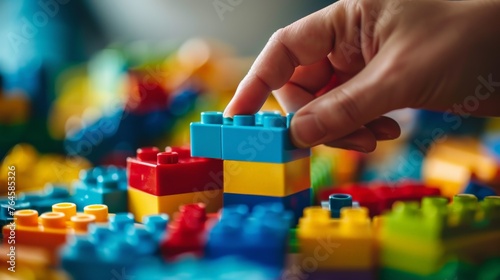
(348, 108)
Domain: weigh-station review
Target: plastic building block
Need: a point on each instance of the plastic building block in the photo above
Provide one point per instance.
(145, 93)
(186, 233)
(321, 173)
(245, 138)
(113, 250)
(293, 242)
(267, 179)
(206, 136)
(478, 189)
(294, 203)
(337, 202)
(189, 268)
(454, 269)
(436, 219)
(51, 227)
(102, 185)
(259, 237)
(118, 131)
(343, 244)
(26, 263)
(379, 197)
(420, 240)
(489, 270)
(38, 201)
(173, 172)
(142, 204)
(451, 163)
(34, 171)
(492, 143)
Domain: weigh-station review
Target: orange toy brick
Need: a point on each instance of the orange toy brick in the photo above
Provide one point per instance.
(24, 263)
(50, 230)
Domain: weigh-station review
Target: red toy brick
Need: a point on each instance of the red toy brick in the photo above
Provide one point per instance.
(146, 94)
(186, 234)
(379, 197)
(361, 193)
(173, 172)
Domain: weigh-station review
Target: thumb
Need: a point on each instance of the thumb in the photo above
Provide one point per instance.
(346, 108)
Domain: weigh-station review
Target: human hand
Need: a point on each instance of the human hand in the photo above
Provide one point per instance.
(383, 55)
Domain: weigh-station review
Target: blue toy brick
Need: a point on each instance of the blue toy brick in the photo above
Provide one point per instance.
(102, 185)
(491, 141)
(295, 202)
(246, 139)
(478, 189)
(206, 136)
(190, 268)
(112, 251)
(39, 201)
(120, 132)
(337, 202)
(326, 204)
(156, 225)
(260, 237)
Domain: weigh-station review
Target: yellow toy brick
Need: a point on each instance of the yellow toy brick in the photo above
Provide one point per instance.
(141, 203)
(451, 163)
(268, 179)
(33, 171)
(347, 243)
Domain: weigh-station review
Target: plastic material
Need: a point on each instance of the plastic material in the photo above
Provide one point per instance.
(295, 203)
(337, 202)
(246, 139)
(102, 185)
(347, 243)
(142, 204)
(267, 179)
(186, 233)
(173, 172)
(260, 236)
(416, 239)
(206, 136)
(378, 196)
(113, 251)
(50, 230)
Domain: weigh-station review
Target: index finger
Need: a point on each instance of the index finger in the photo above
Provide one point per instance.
(304, 42)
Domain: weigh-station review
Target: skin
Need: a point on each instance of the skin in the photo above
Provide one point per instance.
(370, 57)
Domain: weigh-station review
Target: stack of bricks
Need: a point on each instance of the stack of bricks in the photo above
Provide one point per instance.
(160, 182)
(261, 165)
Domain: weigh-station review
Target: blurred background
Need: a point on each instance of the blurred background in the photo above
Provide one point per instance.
(86, 83)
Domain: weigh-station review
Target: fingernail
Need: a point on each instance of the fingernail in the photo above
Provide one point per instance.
(307, 130)
(384, 136)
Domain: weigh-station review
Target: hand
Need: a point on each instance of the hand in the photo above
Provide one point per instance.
(383, 55)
